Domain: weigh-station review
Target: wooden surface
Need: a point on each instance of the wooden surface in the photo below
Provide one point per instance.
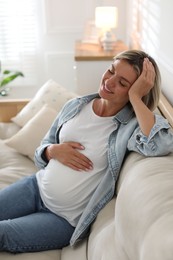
(94, 52)
(10, 107)
(166, 109)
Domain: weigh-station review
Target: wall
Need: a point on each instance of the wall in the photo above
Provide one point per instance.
(60, 24)
(150, 29)
(64, 22)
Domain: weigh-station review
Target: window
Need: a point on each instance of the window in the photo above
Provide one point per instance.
(18, 38)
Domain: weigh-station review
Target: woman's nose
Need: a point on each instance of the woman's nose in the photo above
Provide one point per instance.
(111, 80)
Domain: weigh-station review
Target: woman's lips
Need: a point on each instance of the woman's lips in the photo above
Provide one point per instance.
(107, 90)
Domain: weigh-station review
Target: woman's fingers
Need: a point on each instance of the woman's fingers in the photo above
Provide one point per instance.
(149, 72)
(82, 162)
(145, 81)
(70, 154)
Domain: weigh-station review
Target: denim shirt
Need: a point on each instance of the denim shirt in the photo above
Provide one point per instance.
(127, 136)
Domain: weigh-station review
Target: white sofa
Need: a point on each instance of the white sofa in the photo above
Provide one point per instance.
(136, 225)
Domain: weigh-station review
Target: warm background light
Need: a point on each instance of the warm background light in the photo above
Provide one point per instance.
(106, 17)
(106, 20)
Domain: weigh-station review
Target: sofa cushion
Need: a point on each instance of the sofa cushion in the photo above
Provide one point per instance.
(8, 129)
(28, 138)
(13, 166)
(50, 93)
(101, 242)
(144, 208)
(45, 255)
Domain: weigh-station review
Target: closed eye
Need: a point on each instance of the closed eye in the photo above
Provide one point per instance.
(110, 71)
(124, 83)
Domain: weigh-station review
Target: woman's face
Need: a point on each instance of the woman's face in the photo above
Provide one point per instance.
(116, 82)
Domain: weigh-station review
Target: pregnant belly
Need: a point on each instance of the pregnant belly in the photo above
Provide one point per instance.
(63, 185)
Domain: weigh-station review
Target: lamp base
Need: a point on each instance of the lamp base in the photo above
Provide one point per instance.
(108, 41)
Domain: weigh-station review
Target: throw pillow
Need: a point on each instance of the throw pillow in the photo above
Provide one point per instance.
(28, 138)
(50, 93)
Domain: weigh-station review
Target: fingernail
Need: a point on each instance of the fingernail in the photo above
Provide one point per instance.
(88, 169)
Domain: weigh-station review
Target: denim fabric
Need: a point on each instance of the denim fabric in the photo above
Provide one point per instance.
(127, 136)
(26, 225)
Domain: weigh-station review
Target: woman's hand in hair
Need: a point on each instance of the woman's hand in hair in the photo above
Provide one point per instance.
(144, 82)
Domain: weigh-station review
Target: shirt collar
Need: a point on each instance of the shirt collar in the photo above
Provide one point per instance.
(123, 116)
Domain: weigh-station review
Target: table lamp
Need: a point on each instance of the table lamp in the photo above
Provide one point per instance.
(106, 19)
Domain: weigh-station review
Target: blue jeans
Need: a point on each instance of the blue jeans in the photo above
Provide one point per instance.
(26, 225)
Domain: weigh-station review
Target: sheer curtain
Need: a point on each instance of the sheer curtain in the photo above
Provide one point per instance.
(19, 38)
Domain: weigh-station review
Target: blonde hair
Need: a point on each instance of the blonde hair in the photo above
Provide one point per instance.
(136, 58)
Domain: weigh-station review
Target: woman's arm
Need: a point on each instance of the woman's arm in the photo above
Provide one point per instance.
(154, 136)
(139, 89)
(158, 143)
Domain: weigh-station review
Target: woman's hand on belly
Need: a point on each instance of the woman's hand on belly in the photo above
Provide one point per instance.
(69, 154)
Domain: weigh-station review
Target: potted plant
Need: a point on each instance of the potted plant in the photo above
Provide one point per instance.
(6, 77)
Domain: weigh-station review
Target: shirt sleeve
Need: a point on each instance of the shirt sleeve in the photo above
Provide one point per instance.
(50, 138)
(158, 143)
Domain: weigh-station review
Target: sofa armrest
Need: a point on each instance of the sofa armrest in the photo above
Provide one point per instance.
(10, 107)
(166, 109)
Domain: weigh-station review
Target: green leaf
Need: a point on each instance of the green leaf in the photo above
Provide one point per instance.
(11, 77)
(7, 72)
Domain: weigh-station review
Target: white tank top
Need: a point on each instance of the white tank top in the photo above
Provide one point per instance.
(65, 191)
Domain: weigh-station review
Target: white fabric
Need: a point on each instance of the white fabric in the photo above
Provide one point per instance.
(144, 208)
(101, 243)
(8, 129)
(44, 255)
(51, 93)
(28, 138)
(13, 166)
(66, 191)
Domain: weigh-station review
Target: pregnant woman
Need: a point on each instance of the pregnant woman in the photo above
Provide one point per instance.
(80, 158)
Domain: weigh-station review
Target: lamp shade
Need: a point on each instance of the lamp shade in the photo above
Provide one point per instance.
(106, 17)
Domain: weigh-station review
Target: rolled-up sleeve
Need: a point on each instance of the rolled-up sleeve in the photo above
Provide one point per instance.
(50, 138)
(158, 143)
